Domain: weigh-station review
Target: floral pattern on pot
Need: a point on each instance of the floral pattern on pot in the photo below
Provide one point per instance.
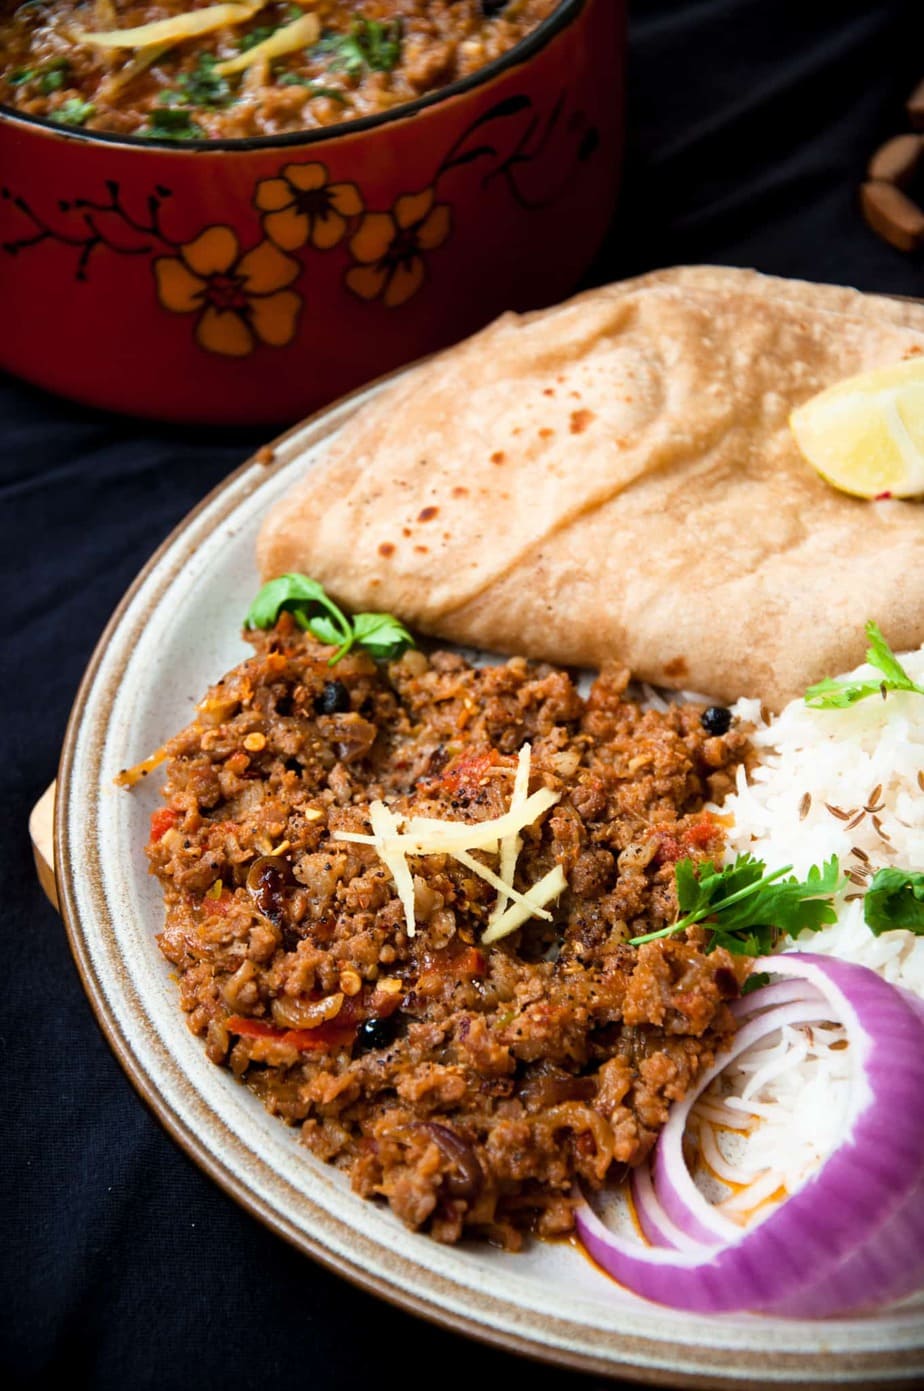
(388, 247)
(240, 300)
(245, 299)
(301, 207)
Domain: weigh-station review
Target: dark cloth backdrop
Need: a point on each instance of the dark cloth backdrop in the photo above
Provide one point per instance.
(122, 1265)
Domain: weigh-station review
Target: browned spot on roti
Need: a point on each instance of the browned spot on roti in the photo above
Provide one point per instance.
(580, 421)
(677, 666)
(498, 456)
(386, 548)
(426, 514)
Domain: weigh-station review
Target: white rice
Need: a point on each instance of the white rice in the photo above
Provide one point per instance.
(848, 783)
(823, 759)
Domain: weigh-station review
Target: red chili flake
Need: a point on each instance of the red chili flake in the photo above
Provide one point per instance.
(471, 963)
(469, 769)
(162, 821)
(881, 497)
(701, 834)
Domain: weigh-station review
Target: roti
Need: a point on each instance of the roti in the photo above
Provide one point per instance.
(615, 479)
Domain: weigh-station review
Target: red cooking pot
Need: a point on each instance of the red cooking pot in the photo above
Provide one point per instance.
(252, 281)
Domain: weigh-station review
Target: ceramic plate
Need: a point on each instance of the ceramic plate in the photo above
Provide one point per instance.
(176, 631)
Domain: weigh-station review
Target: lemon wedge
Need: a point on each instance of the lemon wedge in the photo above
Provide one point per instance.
(865, 435)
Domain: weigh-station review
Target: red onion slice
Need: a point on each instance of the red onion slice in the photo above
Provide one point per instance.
(657, 1227)
(679, 1196)
(782, 992)
(852, 1237)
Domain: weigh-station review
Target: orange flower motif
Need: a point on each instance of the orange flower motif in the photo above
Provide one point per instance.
(301, 206)
(240, 300)
(388, 247)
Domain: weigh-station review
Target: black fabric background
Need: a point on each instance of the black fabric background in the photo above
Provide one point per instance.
(121, 1264)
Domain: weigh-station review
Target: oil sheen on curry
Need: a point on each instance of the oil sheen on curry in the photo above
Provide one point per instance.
(196, 69)
(470, 1064)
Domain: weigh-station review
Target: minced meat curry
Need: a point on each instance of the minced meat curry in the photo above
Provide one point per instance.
(470, 1085)
(243, 68)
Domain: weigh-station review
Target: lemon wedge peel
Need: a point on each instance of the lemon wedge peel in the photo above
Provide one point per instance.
(865, 435)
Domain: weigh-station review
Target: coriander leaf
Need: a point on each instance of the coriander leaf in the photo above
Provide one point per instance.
(382, 635)
(203, 86)
(325, 630)
(754, 944)
(755, 981)
(171, 123)
(73, 112)
(747, 909)
(368, 44)
(895, 898)
(833, 694)
(51, 81)
(260, 34)
(20, 76)
(296, 593)
(879, 654)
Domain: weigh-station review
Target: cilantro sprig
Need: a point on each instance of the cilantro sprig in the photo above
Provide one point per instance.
(73, 112)
(172, 123)
(894, 899)
(747, 909)
(50, 76)
(834, 694)
(260, 34)
(369, 43)
(202, 86)
(379, 634)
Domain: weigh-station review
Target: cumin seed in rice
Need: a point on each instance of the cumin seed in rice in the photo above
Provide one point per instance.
(860, 854)
(840, 813)
(805, 805)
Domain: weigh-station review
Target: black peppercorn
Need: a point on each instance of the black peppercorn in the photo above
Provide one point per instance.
(333, 700)
(716, 720)
(375, 1033)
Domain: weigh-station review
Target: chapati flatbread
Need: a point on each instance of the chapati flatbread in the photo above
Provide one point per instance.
(616, 478)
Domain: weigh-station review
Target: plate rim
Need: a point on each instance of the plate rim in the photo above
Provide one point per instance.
(629, 1355)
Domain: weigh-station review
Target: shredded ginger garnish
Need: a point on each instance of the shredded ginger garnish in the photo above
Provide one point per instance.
(396, 837)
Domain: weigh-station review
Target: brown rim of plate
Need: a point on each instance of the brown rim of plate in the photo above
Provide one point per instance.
(565, 12)
(463, 1310)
